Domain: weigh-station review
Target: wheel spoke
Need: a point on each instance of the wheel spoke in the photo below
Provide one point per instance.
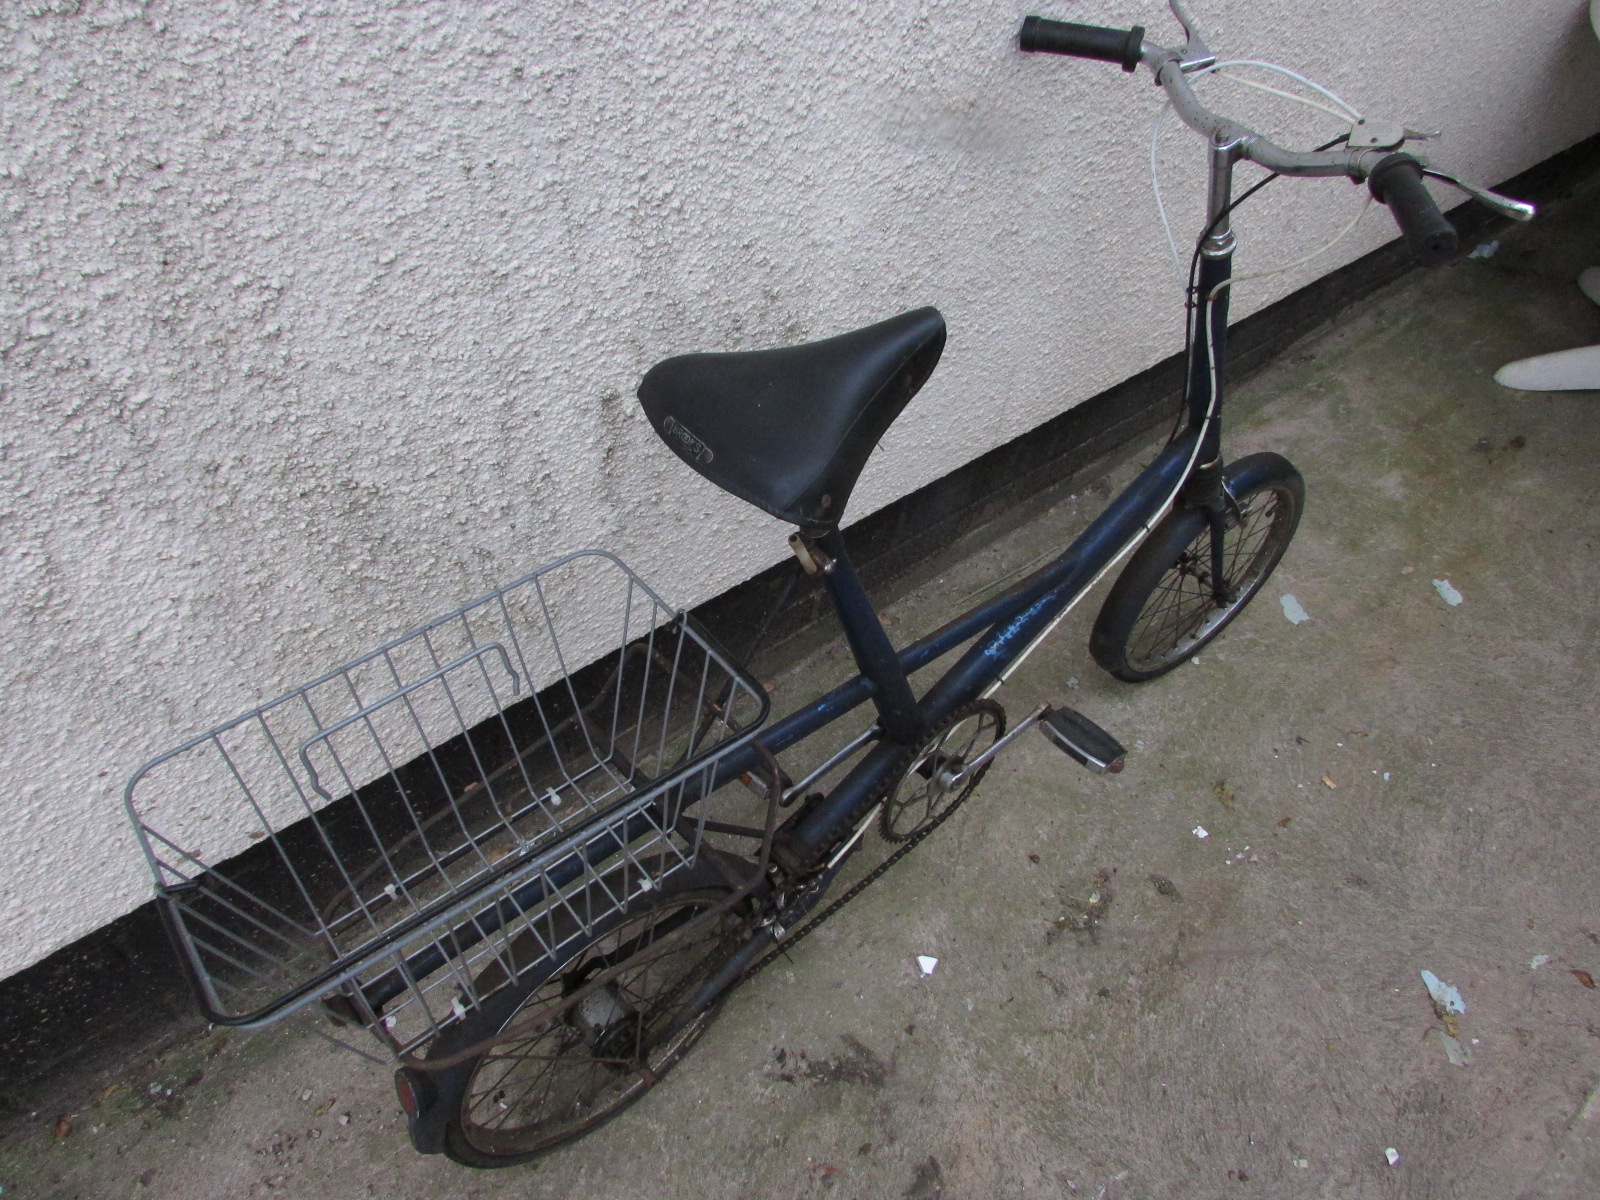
(1143, 633)
(531, 1092)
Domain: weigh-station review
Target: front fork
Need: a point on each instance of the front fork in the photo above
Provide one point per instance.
(1206, 490)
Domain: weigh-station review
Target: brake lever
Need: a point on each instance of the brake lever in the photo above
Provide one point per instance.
(1517, 210)
(1196, 55)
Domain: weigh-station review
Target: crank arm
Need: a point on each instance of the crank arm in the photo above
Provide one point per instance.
(952, 780)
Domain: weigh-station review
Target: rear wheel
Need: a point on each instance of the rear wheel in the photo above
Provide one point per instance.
(1165, 606)
(572, 1067)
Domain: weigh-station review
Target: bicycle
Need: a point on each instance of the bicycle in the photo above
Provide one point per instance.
(528, 882)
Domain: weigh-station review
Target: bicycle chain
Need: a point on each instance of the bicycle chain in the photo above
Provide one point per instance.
(794, 937)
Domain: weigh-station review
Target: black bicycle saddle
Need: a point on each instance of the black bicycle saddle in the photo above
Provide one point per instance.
(789, 430)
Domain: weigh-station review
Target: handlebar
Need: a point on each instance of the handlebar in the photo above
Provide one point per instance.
(1397, 182)
(1394, 178)
(1124, 46)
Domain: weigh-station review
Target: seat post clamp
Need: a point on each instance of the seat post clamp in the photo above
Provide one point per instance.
(813, 559)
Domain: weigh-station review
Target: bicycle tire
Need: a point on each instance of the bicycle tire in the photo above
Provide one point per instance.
(590, 1083)
(1162, 610)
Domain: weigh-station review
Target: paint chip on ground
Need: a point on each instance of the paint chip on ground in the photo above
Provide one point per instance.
(1446, 592)
(1293, 609)
(1446, 997)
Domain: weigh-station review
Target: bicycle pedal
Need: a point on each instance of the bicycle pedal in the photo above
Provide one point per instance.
(1083, 740)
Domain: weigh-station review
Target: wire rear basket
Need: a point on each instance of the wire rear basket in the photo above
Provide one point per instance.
(457, 800)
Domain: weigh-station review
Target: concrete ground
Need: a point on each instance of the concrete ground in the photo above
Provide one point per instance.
(1397, 784)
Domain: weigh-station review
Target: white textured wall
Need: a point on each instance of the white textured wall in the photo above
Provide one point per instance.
(319, 318)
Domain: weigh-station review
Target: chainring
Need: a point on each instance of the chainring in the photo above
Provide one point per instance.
(918, 814)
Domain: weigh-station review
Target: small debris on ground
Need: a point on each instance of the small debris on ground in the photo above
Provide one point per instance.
(1454, 1049)
(63, 1128)
(1084, 916)
(927, 963)
(1584, 978)
(927, 1181)
(1447, 593)
(1329, 782)
(1283, 822)
(1200, 832)
(1447, 1004)
(1293, 609)
(1446, 999)
(1165, 887)
(1392, 1155)
(1484, 249)
(1225, 794)
(1537, 961)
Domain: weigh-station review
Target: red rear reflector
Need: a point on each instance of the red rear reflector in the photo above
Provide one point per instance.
(408, 1096)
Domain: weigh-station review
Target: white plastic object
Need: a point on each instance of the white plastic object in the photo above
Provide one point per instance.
(1575, 370)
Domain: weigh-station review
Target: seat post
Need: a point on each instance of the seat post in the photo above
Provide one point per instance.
(869, 644)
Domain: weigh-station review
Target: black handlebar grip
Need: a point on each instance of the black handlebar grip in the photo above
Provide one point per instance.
(1083, 41)
(1397, 182)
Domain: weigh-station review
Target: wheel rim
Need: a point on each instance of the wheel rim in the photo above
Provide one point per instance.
(937, 779)
(528, 1093)
(1182, 612)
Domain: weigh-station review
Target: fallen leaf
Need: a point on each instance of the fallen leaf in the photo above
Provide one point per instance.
(1163, 886)
(1224, 793)
(1283, 822)
(108, 1091)
(1329, 782)
(322, 1109)
(1584, 978)
(63, 1128)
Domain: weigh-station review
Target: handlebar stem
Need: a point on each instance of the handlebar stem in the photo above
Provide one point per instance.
(1220, 241)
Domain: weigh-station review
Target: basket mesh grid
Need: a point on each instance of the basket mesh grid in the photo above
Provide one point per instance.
(457, 798)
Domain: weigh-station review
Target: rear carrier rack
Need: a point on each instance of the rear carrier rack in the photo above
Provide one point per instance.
(378, 838)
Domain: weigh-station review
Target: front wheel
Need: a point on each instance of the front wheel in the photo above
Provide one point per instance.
(1166, 605)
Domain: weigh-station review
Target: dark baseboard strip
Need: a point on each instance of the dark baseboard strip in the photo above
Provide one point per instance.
(120, 985)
